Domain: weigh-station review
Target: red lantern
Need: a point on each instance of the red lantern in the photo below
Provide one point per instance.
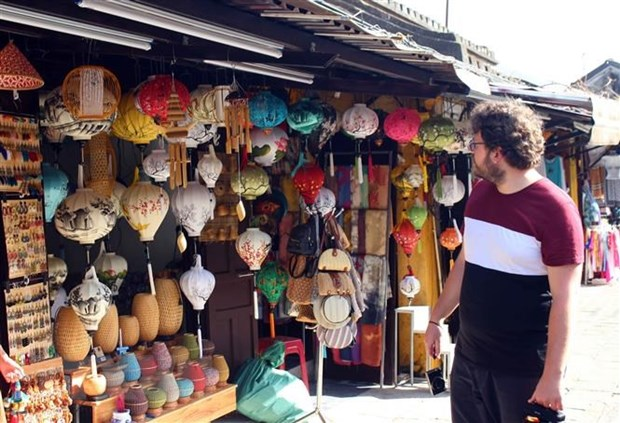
(153, 95)
(451, 239)
(405, 235)
(308, 180)
(402, 125)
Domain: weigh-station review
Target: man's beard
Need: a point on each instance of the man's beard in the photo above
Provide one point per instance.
(489, 171)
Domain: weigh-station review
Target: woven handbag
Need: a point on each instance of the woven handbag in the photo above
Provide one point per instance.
(334, 260)
(305, 314)
(337, 338)
(335, 283)
(299, 290)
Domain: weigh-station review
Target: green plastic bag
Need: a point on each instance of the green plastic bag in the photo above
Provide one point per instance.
(269, 395)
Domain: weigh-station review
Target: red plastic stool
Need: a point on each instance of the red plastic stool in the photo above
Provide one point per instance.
(291, 346)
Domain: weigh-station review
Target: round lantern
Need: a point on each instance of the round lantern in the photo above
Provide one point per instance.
(197, 284)
(111, 270)
(193, 207)
(436, 133)
(268, 145)
(145, 206)
(451, 239)
(328, 127)
(272, 281)
(324, 204)
(117, 193)
(417, 215)
(16, 72)
(405, 235)
(308, 180)
(208, 104)
(153, 94)
(253, 246)
(266, 110)
(91, 92)
(55, 188)
(90, 300)
(305, 116)
(133, 125)
(85, 216)
(448, 190)
(402, 125)
(157, 165)
(210, 167)
(57, 272)
(252, 182)
(409, 286)
(70, 339)
(360, 121)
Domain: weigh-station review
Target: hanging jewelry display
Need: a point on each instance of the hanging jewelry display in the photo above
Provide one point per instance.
(20, 155)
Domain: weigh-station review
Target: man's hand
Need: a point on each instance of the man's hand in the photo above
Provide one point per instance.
(432, 339)
(548, 394)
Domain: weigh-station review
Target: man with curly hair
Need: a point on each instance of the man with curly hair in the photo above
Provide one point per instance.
(515, 278)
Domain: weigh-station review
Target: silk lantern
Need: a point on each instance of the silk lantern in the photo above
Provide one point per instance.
(90, 300)
(250, 183)
(448, 190)
(359, 122)
(132, 125)
(267, 110)
(16, 72)
(253, 246)
(437, 133)
(325, 131)
(193, 207)
(268, 145)
(153, 95)
(57, 272)
(304, 116)
(417, 215)
(272, 280)
(91, 92)
(210, 167)
(55, 188)
(201, 109)
(145, 206)
(111, 270)
(451, 239)
(410, 286)
(405, 235)
(308, 180)
(402, 125)
(157, 165)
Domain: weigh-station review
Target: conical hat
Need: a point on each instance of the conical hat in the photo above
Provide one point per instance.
(16, 72)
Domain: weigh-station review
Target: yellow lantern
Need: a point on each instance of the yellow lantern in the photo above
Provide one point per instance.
(132, 125)
(250, 183)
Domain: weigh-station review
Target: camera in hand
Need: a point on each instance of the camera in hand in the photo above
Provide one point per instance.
(436, 382)
(536, 413)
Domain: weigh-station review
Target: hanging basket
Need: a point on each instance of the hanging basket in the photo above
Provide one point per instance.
(70, 338)
(170, 306)
(106, 336)
(145, 308)
(131, 329)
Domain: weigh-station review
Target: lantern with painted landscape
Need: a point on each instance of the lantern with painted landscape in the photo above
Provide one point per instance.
(251, 182)
(267, 110)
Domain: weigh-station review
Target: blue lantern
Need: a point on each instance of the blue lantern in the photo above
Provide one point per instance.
(55, 189)
(267, 110)
(305, 116)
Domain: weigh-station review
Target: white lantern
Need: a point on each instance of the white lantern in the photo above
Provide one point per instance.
(157, 165)
(200, 109)
(145, 206)
(360, 121)
(268, 145)
(197, 284)
(56, 273)
(193, 207)
(449, 190)
(324, 204)
(253, 246)
(90, 300)
(85, 216)
(409, 286)
(210, 167)
(111, 270)
(117, 193)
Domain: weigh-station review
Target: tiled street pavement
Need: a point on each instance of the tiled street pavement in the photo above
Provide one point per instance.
(592, 378)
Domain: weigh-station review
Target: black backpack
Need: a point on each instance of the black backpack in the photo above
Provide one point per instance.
(304, 238)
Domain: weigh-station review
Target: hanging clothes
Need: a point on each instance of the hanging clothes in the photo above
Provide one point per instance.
(554, 168)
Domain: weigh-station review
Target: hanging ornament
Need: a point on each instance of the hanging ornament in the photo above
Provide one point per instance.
(111, 270)
(272, 281)
(145, 206)
(100, 165)
(55, 188)
(359, 122)
(253, 246)
(90, 300)
(436, 133)
(16, 72)
(308, 180)
(305, 116)
(91, 93)
(324, 204)
(451, 239)
(417, 214)
(448, 190)
(201, 107)
(237, 122)
(325, 131)
(197, 284)
(153, 95)
(132, 125)
(405, 235)
(157, 165)
(266, 110)
(402, 125)
(268, 145)
(250, 183)
(193, 207)
(410, 286)
(57, 272)
(210, 167)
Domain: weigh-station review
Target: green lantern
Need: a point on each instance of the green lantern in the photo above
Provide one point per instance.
(417, 214)
(305, 116)
(437, 133)
(272, 280)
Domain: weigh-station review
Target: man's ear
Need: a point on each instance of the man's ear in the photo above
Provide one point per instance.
(497, 154)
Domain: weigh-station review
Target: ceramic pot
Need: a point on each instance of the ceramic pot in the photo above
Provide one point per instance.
(94, 385)
(156, 397)
(219, 362)
(121, 417)
(162, 356)
(191, 343)
(212, 378)
(168, 384)
(132, 370)
(186, 389)
(194, 372)
(136, 402)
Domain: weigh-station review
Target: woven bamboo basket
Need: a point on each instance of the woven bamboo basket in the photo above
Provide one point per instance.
(131, 330)
(100, 164)
(70, 338)
(91, 92)
(146, 309)
(170, 306)
(106, 336)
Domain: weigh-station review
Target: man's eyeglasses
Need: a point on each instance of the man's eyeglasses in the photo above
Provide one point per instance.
(472, 145)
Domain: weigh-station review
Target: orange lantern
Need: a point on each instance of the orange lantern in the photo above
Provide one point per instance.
(451, 239)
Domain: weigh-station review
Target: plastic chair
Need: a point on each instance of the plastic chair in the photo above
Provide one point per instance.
(291, 346)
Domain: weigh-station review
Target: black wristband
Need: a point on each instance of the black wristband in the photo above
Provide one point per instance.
(434, 323)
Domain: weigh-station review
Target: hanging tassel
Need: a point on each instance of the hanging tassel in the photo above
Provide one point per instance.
(371, 172)
(199, 336)
(272, 322)
(360, 170)
(409, 270)
(244, 158)
(331, 160)
(255, 301)
(300, 163)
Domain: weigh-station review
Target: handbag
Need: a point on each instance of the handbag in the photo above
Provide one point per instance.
(299, 290)
(337, 338)
(304, 238)
(335, 283)
(334, 260)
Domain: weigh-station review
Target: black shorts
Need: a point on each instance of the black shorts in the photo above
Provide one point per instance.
(479, 395)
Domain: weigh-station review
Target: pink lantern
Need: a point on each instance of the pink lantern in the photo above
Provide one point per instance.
(402, 125)
(360, 121)
(253, 246)
(152, 96)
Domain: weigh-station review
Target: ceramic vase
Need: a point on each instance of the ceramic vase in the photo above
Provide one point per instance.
(136, 402)
(156, 400)
(162, 356)
(191, 343)
(168, 384)
(94, 385)
(219, 362)
(148, 367)
(212, 378)
(186, 389)
(194, 372)
(132, 370)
